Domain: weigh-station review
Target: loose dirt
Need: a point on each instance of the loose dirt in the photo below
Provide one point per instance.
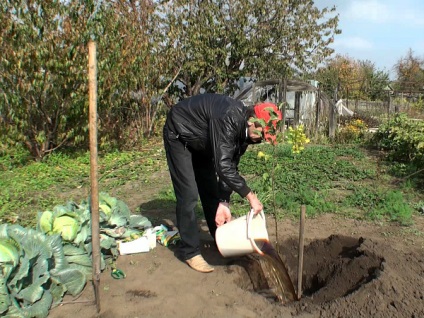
(351, 269)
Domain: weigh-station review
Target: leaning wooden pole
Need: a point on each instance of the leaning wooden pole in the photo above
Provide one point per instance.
(94, 206)
(301, 244)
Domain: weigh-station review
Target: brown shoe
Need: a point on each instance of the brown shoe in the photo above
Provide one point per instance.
(199, 264)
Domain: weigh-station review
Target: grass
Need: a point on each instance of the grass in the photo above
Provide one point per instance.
(29, 187)
(345, 180)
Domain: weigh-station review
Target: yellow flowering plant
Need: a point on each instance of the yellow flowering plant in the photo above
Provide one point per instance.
(297, 138)
(352, 131)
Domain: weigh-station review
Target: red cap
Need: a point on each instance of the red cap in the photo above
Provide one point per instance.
(262, 112)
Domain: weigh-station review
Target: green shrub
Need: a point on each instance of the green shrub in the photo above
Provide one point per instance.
(403, 138)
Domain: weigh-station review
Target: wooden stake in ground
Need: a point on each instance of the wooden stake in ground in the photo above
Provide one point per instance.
(301, 245)
(95, 230)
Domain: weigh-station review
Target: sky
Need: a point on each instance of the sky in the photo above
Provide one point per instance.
(381, 31)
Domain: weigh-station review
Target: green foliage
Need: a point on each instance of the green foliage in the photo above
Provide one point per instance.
(44, 100)
(143, 47)
(13, 157)
(42, 75)
(400, 169)
(378, 204)
(27, 189)
(216, 43)
(39, 278)
(403, 138)
(38, 266)
(297, 138)
(364, 198)
(325, 179)
(393, 206)
(418, 104)
(352, 79)
(73, 223)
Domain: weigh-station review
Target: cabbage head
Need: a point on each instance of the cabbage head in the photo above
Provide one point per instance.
(66, 226)
(9, 256)
(45, 222)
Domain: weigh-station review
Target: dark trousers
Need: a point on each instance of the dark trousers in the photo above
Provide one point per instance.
(192, 175)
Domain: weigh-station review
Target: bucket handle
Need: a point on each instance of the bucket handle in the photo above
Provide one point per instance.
(249, 236)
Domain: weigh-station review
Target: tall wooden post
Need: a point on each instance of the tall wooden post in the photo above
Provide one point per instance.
(332, 115)
(94, 206)
(297, 96)
(301, 247)
(317, 111)
(282, 103)
(283, 110)
(347, 97)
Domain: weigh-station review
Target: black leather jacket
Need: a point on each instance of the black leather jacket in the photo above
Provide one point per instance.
(216, 126)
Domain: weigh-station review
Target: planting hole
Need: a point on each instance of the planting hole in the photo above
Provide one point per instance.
(333, 268)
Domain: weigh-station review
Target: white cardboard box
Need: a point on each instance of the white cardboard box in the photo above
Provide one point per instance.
(140, 245)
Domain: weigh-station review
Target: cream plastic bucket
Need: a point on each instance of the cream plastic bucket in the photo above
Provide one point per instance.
(242, 236)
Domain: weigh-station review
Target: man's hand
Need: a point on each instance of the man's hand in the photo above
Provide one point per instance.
(255, 204)
(223, 214)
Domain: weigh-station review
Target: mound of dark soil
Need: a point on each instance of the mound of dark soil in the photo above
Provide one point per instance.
(350, 277)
